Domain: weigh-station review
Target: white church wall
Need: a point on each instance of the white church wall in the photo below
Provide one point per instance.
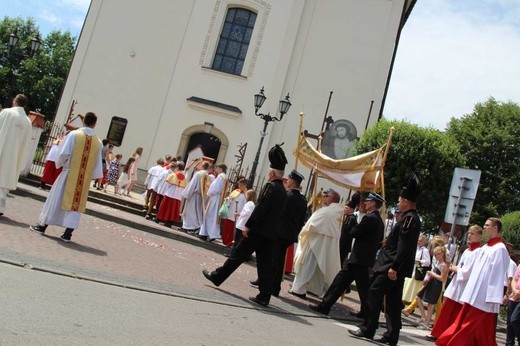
(142, 63)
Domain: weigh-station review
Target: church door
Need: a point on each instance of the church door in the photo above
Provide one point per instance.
(209, 144)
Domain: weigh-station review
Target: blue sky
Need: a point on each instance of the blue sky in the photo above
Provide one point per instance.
(49, 14)
(452, 53)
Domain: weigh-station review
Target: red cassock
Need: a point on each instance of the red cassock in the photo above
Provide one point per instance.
(170, 210)
(50, 172)
(471, 327)
(228, 232)
(289, 259)
(449, 312)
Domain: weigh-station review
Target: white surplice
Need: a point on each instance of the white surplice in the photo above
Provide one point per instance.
(460, 279)
(52, 212)
(210, 225)
(154, 177)
(193, 209)
(53, 154)
(485, 287)
(317, 255)
(162, 185)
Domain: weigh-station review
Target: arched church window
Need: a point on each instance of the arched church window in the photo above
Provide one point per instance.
(234, 41)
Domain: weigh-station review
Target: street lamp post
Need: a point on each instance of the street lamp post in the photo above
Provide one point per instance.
(35, 42)
(13, 42)
(283, 108)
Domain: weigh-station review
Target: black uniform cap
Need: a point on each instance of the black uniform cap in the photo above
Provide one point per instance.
(411, 187)
(372, 196)
(296, 176)
(277, 157)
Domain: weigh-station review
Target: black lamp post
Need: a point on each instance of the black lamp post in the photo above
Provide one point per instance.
(13, 42)
(35, 42)
(283, 108)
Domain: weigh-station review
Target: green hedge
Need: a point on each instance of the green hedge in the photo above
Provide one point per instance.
(511, 228)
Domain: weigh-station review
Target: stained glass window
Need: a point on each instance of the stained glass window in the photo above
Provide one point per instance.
(234, 41)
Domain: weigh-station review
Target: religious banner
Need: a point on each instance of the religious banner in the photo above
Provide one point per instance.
(363, 172)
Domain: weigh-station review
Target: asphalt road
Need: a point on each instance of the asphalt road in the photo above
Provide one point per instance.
(118, 285)
(40, 308)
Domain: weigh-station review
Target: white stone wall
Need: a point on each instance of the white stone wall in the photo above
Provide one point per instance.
(142, 62)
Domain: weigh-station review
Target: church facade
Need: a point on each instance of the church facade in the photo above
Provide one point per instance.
(173, 75)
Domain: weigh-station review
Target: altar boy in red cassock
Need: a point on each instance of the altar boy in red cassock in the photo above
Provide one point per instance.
(235, 202)
(170, 208)
(475, 324)
(50, 171)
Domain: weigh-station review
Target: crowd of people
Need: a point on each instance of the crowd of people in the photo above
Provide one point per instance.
(392, 263)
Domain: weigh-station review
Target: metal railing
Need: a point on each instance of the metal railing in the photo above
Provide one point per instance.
(53, 131)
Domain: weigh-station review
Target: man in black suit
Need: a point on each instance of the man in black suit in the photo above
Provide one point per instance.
(394, 262)
(368, 235)
(293, 219)
(259, 234)
(349, 221)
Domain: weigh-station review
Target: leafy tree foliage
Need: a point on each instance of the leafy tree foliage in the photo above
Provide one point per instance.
(511, 228)
(427, 151)
(42, 76)
(489, 139)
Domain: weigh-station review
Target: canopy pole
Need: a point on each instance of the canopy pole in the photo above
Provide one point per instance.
(298, 142)
(388, 143)
(382, 178)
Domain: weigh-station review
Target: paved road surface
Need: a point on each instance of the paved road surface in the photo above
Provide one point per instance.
(166, 299)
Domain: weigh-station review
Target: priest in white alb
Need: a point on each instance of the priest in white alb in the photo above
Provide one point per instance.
(210, 228)
(484, 293)
(15, 136)
(80, 156)
(317, 255)
(194, 195)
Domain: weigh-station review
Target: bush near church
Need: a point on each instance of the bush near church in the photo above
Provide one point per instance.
(511, 228)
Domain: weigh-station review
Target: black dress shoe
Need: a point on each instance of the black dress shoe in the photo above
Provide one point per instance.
(210, 277)
(360, 334)
(254, 282)
(299, 295)
(386, 341)
(319, 308)
(259, 301)
(203, 237)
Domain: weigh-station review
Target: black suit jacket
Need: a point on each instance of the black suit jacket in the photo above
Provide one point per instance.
(265, 218)
(293, 217)
(401, 245)
(368, 235)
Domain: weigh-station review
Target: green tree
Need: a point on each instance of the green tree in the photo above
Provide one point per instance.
(489, 139)
(427, 151)
(41, 76)
(511, 228)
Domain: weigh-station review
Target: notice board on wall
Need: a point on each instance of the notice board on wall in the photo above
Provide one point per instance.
(116, 131)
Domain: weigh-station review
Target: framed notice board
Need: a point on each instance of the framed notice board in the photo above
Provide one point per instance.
(116, 131)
